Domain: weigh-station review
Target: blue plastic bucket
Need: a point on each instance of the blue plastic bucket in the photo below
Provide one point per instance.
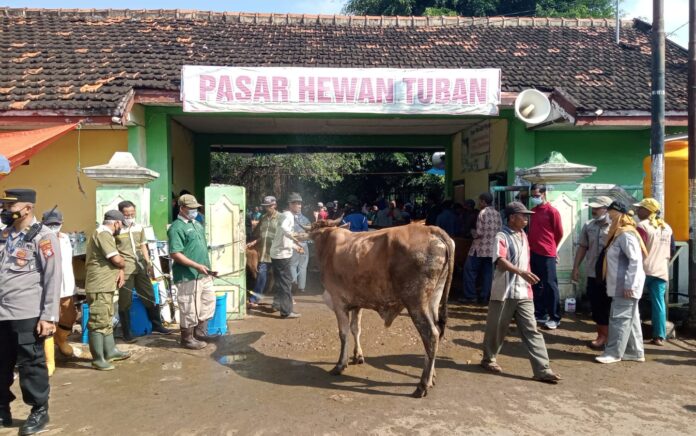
(140, 322)
(218, 325)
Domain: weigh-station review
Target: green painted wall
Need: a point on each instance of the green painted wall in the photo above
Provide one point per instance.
(159, 159)
(521, 145)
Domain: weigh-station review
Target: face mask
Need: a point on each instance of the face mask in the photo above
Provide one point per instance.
(536, 201)
(192, 214)
(130, 221)
(8, 217)
(55, 228)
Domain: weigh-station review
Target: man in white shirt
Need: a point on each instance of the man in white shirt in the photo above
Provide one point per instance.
(282, 248)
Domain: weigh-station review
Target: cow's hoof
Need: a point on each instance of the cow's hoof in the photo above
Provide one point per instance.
(358, 360)
(337, 370)
(420, 392)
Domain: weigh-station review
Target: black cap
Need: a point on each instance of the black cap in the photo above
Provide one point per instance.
(19, 196)
(114, 215)
(619, 207)
(516, 207)
(52, 216)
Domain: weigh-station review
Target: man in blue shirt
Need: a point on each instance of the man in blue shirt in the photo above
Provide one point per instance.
(354, 216)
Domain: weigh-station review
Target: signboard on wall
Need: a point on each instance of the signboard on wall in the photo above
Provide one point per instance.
(340, 90)
(476, 147)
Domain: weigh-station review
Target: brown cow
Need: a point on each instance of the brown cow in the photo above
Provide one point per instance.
(387, 270)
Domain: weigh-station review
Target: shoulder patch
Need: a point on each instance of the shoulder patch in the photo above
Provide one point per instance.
(46, 248)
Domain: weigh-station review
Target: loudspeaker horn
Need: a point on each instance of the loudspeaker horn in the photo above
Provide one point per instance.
(532, 106)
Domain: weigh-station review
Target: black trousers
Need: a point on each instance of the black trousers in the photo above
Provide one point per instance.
(20, 345)
(600, 302)
(546, 294)
(282, 274)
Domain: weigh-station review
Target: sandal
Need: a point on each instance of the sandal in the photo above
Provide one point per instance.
(492, 367)
(596, 347)
(549, 377)
(658, 341)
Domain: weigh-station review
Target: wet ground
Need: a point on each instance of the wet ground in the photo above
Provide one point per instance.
(270, 376)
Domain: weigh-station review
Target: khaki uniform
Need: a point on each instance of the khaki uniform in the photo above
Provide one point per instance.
(100, 283)
(129, 243)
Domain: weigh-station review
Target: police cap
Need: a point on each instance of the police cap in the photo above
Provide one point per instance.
(19, 196)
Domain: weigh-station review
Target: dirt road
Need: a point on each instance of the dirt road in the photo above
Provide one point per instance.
(270, 376)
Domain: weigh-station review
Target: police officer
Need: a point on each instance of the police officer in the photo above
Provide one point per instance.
(132, 246)
(104, 275)
(30, 282)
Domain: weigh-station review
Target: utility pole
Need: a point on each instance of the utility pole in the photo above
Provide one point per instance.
(618, 23)
(657, 124)
(692, 164)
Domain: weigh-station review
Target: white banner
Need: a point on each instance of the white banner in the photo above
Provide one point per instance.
(340, 90)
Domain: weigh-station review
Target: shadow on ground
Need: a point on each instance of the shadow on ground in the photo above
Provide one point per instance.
(239, 355)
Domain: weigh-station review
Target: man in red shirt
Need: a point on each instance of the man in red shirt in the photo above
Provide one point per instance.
(545, 233)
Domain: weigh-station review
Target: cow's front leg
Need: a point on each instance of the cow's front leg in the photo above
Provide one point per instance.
(355, 328)
(343, 330)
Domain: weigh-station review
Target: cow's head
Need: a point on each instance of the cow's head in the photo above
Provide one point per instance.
(321, 226)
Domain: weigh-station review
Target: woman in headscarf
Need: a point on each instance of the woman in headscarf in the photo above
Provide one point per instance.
(623, 270)
(659, 240)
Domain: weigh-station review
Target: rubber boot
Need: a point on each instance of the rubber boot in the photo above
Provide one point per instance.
(61, 338)
(156, 319)
(124, 317)
(188, 341)
(50, 352)
(111, 353)
(96, 347)
(201, 332)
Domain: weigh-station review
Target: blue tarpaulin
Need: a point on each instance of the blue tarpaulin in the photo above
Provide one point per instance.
(436, 171)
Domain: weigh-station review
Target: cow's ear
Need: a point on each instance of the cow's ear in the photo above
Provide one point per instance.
(344, 226)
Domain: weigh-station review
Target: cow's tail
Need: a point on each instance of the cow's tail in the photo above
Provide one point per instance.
(442, 312)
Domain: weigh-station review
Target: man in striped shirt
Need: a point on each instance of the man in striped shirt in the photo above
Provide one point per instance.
(511, 295)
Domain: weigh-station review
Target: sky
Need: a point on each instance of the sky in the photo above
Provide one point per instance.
(676, 11)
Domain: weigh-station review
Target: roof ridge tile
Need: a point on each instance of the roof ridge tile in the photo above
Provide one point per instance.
(313, 19)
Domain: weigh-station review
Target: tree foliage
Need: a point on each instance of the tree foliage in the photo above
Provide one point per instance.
(328, 176)
(478, 8)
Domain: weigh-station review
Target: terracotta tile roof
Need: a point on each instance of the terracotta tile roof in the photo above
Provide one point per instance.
(88, 61)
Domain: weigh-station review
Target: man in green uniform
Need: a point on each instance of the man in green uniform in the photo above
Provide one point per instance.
(132, 246)
(192, 276)
(104, 275)
(30, 282)
(262, 239)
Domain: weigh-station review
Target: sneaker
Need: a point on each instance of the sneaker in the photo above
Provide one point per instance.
(291, 315)
(607, 359)
(633, 358)
(552, 325)
(542, 320)
(160, 330)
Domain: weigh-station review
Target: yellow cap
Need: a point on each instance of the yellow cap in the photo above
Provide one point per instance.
(650, 204)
